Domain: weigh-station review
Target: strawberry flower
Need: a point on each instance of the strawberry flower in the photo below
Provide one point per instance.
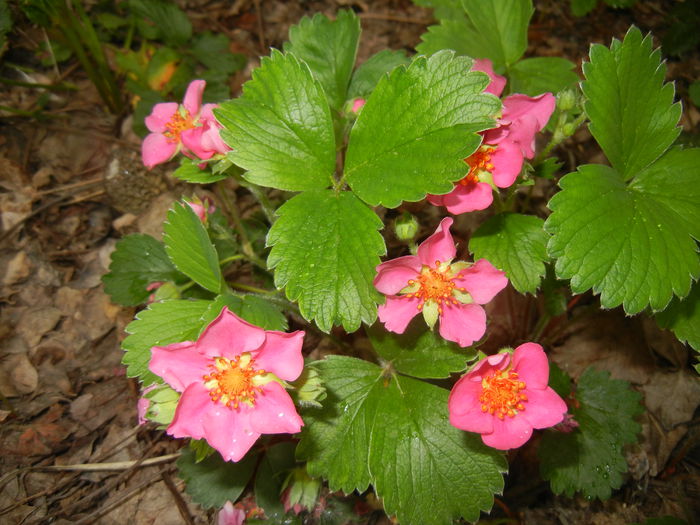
(499, 160)
(429, 282)
(504, 397)
(188, 127)
(230, 379)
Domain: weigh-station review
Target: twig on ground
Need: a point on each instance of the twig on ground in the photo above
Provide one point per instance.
(117, 465)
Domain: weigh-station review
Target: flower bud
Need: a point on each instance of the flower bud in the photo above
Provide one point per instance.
(162, 404)
(566, 100)
(310, 390)
(300, 491)
(406, 227)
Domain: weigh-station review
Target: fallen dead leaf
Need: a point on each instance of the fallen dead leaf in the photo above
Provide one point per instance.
(35, 322)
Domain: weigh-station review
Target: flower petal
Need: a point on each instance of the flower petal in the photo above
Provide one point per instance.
(230, 515)
(543, 408)
(191, 410)
(540, 108)
(229, 336)
(179, 364)
(511, 432)
(462, 323)
(490, 364)
(507, 163)
(160, 116)
(193, 96)
(157, 149)
(281, 354)
(472, 197)
(229, 431)
(439, 246)
(397, 312)
(532, 366)
(274, 412)
(482, 280)
(192, 140)
(393, 276)
(465, 408)
(497, 83)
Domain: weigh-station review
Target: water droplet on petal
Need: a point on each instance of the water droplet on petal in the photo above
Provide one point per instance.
(281, 414)
(234, 440)
(217, 413)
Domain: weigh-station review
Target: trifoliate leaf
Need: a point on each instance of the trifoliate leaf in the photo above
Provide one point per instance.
(325, 248)
(630, 242)
(631, 111)
(534, 76)
(329, 48)
(515, 243)
(368, 74)
(256, 310)
(272, 471)
(161, 324)
(393, 432)
(683, 318)
(189, 248)
(589, 459)
(416, 128)
(493, 29)
(137, 261)
(582, 7)
(442, 9)
(212, 482)
(212, 50)
(419, 352)
(280, 129)
(169, 22)
(189, 171)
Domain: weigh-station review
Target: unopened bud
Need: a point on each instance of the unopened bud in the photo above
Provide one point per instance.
(566, 100)
(299, 491)
(568, 129)
(310, 390)
(162, 404)
(406, 227)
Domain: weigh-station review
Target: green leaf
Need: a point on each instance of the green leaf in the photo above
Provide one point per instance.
(137, 261)
(280, 129)
(683, 318)
(631, 243)
(694, 93)
(416, 128)
(419, 352)
(189, 171)
(189, 248)
(213, 481)
(589, 459)
(212, 50)
(373, 69)
(559, 380)
(329, 48)
(256, 310)
(631, 111)
(534, 76)
(161, 324)
(168, 21)
(273, 469)
(393, 432)
(325, 248)
(515, 243)
(493, 29)
(582, 7)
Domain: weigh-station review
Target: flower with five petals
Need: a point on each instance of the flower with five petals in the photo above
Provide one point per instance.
(230, 379)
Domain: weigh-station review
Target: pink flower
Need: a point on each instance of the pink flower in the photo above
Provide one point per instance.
(499, 160)
(503, 398)
(230, 379)
(230, 515)
(201, 207)
(188, 127)
(430, 282)
(497, 83)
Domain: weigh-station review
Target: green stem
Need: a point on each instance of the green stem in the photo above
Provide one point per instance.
(540, 326)
(261, 197)
(246, 245)
(50, 87)
(253, 289)
(227, 260)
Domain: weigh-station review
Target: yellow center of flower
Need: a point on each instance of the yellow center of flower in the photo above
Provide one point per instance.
(177, 124)
(435, 284)
(478, 161)
(501, 394)
(233, 381)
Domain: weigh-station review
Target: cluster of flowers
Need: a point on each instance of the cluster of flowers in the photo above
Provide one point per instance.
(232, 379)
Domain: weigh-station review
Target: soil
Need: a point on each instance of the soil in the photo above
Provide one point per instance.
(72, 184)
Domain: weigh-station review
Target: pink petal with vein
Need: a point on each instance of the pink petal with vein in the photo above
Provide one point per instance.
(160, 116)
(191, 409)
(229, 336)
(179, 364)
(468, 198)
(274, 412)
(510, 432)
(157, 149)
(230, 431)
(462, 323)
(482, 280)
(507, 163)
(531, 364)
(193, 96)
(393, 276)
(397, 312)
(281, 354)
(439, 246)
(544, 408)
(497, 83)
